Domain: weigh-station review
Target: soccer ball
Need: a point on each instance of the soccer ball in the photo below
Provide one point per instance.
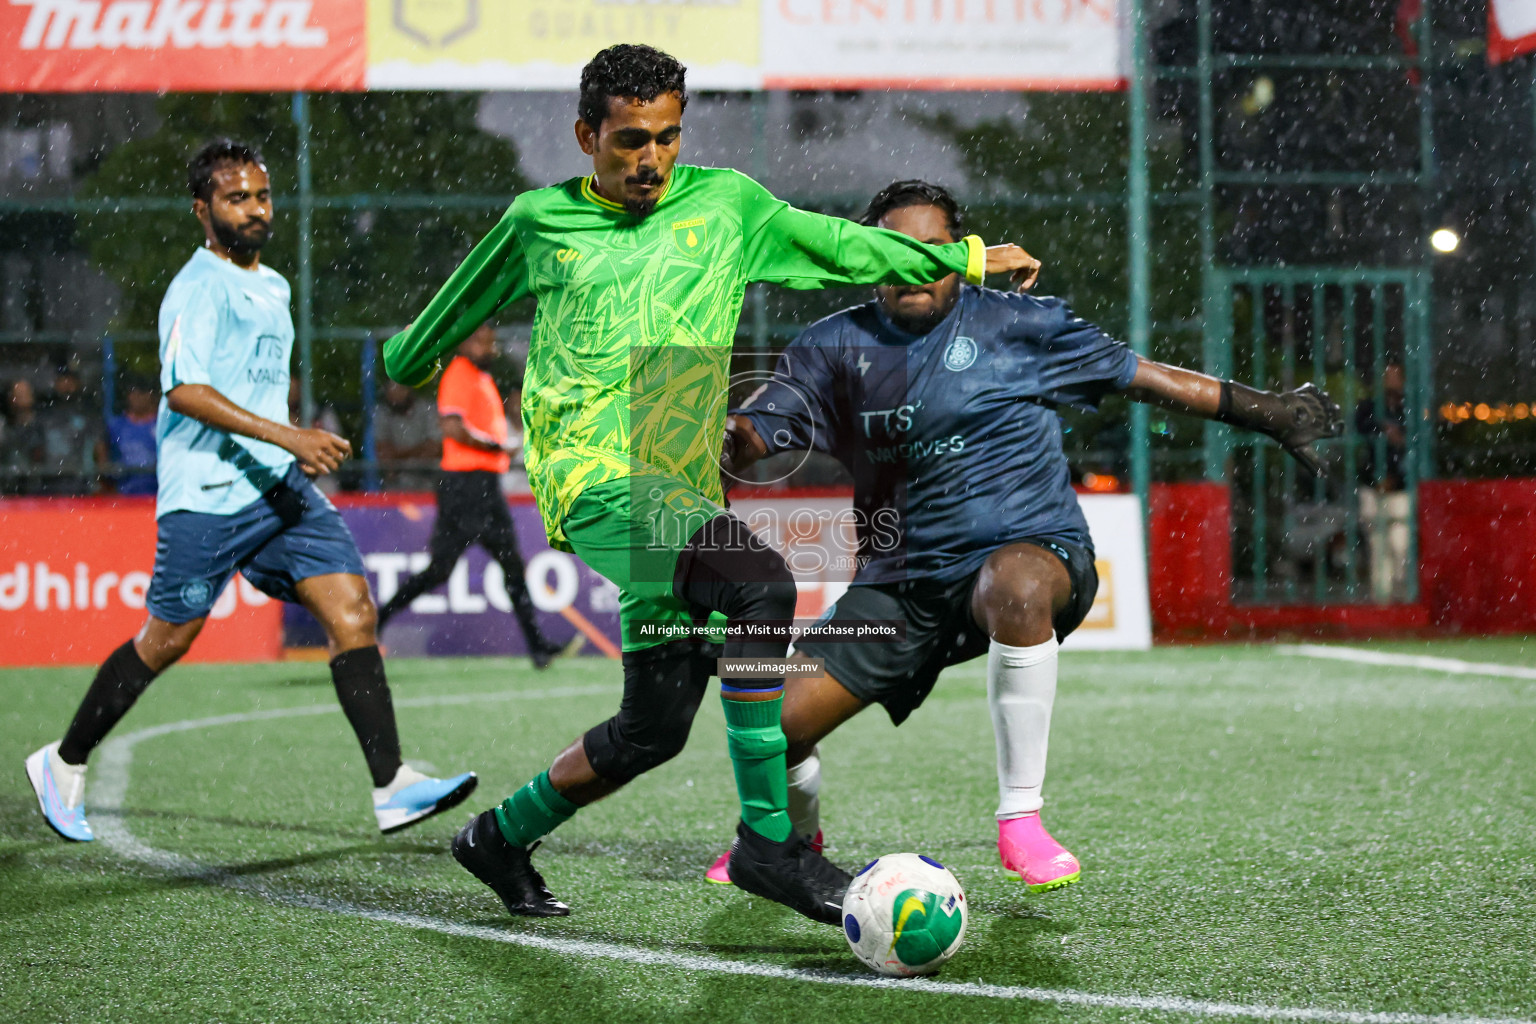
(904, 914)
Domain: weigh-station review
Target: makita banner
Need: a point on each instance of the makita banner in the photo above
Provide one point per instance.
(181, 45)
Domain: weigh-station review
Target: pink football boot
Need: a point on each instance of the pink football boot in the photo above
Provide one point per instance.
(720, 874)
(1028, 851)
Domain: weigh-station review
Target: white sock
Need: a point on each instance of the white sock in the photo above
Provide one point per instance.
(805, 795)
(405, 775)
(70, 778)
(1021, 687)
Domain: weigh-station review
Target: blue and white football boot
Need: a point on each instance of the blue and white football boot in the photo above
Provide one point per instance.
(414, 797)
(60, 790)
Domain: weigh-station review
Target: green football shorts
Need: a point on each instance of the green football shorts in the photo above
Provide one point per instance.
(632, 531)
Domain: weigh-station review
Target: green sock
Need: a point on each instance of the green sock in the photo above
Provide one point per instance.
(534, 811)
(757, 745)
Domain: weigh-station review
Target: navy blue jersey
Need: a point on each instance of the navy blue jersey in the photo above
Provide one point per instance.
(952, 438)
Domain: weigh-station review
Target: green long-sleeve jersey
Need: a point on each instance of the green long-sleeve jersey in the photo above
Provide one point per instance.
(629, 359)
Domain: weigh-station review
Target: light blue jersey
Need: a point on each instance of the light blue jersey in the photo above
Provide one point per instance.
(228, 328)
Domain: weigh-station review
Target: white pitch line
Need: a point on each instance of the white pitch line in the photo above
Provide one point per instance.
(1362, 656)
(110, 786)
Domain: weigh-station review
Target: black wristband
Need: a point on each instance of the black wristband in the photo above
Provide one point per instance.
(1224, 406)
(1252, 409)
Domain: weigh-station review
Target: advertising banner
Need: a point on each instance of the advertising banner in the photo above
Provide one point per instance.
(1511, 28)
(1121, 617)
(471, 614)
(74, 572)
(543, 44)
(942, 44)
(73, 575)
(181, 45)
(320, 45)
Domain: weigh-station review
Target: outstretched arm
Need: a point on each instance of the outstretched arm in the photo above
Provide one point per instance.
(318, 451)
(1294, 418)
(494, 274)
(800, 249)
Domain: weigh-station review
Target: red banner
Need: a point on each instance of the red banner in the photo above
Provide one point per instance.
(73, 574)
(181, 45)
(1511, 28)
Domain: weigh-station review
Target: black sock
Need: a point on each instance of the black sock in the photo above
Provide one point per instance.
(118, 683)
(364, 695)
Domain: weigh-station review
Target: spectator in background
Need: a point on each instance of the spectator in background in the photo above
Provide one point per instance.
(21, 450)
(470, 506)
(71, 435)
(131, 436)
(1385, 505)
(325, 419)
(405, 428)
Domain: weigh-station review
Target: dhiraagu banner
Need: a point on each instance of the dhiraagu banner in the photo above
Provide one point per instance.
(542, 44)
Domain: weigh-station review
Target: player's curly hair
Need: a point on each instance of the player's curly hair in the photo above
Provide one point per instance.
(628, 71)
(213, 156)
(915, 192)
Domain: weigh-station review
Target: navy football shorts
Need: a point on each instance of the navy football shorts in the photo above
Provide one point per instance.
(288, 534)
(934, 620)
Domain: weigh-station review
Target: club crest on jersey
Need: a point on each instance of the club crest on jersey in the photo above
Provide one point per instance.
(960, 354)
(690, 235)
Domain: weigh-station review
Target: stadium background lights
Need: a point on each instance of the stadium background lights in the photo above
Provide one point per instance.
(1100, 483)
(1483, 412)
(1445, 240)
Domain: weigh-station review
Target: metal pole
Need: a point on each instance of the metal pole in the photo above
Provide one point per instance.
(1215, 434)
(370, 409)
(108, 378)
(305, 325)
(1424, 459)
(1139, 242)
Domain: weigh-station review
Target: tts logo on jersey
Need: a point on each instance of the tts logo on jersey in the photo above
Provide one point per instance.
(566, 255)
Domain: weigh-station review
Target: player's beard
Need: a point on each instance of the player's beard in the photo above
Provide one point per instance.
(641, 208)
(246, 240)
(919, 324)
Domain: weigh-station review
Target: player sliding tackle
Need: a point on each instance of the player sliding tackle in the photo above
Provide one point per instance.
(235, 494)
(639, 271)
(938, 399)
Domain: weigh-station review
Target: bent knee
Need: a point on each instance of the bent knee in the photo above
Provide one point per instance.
(351, 621)
(619, 755)
(1017, 609)
(767, 590)
(161, 644)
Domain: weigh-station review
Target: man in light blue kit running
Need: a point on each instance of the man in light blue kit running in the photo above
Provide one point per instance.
(235, 494)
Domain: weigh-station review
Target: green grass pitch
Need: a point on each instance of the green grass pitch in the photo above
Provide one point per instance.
(1260, 835)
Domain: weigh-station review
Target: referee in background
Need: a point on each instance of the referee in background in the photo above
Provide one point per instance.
(470, 506)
